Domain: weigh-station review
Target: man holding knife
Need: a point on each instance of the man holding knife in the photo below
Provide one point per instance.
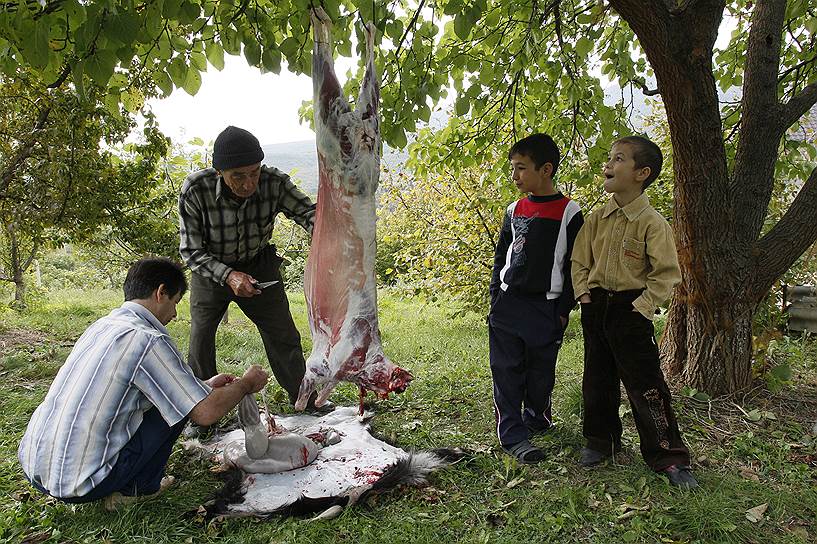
(226, 217)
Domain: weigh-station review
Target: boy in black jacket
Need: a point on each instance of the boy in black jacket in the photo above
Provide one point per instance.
(531, 297)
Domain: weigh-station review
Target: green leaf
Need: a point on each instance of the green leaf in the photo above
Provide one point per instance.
(171, 8)
(199, 61)
(583, 46)
(399, 138)
(193, 82)
(271, 60)
(462, 26)
(35, 43)
(112, 104)
(230, 40)
(189, 12)
(178, 71)
(215, 54)
(123, 27)
(289, 47)
(452, 7)
(782, 372)
(462, 105)
(163, 81)
(100, 66)
(132, 100)
(252, 52)
(754, 415)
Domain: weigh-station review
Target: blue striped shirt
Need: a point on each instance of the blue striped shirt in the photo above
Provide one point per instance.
(122, 366)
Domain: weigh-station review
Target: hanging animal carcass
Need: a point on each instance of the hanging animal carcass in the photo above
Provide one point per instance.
(339, 280)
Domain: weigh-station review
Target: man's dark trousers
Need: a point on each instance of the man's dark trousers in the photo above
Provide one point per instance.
(141, 463)
(619, 343)
(269, 311)
(524, 336)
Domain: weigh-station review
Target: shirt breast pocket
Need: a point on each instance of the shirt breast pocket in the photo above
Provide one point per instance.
(633, 253)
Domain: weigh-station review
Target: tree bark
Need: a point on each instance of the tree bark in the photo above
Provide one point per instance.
(726, 270)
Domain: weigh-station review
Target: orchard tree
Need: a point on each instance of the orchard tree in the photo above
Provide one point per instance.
(71, 181)
(515, 67)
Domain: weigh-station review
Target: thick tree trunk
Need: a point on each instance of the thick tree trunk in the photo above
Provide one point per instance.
(710, 348)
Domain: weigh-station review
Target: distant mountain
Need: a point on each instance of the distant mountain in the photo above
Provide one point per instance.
(300, 160)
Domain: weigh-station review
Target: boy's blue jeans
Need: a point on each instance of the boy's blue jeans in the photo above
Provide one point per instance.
(524, 337)
(141, 463)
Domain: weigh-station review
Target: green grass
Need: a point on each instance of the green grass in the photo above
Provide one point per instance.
(486, 497)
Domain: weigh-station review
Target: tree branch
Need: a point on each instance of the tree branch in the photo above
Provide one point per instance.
(23, 151)
(798, 106)
(753, 176)
(797, 230)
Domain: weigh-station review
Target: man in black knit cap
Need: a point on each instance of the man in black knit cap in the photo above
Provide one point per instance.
(226, 217)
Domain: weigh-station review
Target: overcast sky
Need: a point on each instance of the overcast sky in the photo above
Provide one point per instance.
(265, 104)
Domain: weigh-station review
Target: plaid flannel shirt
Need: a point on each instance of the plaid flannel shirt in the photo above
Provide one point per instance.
(218, 230)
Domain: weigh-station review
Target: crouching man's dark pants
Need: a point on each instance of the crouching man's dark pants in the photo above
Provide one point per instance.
(141, 463)
(269, 311)
(619, 343)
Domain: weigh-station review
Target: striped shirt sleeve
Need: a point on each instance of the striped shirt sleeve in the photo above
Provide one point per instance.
(167, 381)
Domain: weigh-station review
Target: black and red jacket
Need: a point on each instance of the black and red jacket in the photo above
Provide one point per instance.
(533, 253)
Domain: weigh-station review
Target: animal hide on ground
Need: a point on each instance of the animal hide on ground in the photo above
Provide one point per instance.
(342, 474)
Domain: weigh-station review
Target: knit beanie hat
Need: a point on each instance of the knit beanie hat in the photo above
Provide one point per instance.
(234, 148)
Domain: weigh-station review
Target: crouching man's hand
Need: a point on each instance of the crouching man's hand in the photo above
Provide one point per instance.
(227, 395)
(220, 380)
(255, 379)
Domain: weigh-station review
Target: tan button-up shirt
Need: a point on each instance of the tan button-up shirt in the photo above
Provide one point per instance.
(623, 248)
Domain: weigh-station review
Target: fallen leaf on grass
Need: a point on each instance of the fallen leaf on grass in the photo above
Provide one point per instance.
(515, 482)
(412, 425)
(756, 514)
(480, 448)
(627, 515)
(21, 496)
(749, 474)
(628, 507)
(542, 482)
(36, 538)
(800, 532)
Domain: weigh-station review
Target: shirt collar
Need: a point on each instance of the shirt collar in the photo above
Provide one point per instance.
(546, 198)
(145, 314)
(631, 210)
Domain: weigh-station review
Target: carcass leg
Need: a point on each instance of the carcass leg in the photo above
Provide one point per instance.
(362, 398)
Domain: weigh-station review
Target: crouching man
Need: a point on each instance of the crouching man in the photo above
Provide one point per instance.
(108, 423)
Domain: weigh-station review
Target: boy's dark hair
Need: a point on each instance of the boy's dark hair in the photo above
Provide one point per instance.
(645, 153)
(540, 148)
(146, 275)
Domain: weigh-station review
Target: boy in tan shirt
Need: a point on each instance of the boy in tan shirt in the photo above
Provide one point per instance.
(624, 266)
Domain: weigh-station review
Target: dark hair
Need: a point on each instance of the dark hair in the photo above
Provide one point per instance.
(645, 154)
(146, 275)
(540, 148)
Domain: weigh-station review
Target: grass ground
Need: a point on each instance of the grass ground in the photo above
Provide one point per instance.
(486, 497)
